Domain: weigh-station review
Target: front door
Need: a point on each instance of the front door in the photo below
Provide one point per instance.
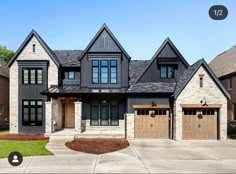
(70, 115)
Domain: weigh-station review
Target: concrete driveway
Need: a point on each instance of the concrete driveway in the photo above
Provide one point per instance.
(142, 156)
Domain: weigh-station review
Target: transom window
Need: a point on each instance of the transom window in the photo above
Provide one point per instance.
(32, 76)
(71, 75)
(167, 71)
(208, 112)
(104, 71)
(104, 113)
(32, 112)
(142, 112)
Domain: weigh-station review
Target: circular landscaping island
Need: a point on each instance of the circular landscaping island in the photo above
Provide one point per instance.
(97, 145)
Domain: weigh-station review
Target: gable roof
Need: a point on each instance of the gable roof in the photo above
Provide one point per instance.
(224, 63)
(189, 73)
(104, 27)
(4, 71)
(167, 41)
(41, 41)
(68, 58)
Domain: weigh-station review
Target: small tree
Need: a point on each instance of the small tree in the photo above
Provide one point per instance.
(5, 54)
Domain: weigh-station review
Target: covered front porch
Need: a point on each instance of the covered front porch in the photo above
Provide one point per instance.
(84, 117)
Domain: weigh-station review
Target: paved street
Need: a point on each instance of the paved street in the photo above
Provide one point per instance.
(142, 156)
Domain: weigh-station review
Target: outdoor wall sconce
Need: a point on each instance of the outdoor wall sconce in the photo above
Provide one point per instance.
(204, 102)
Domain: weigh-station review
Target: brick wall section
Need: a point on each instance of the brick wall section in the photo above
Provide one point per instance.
(193, 94)
(27, 54)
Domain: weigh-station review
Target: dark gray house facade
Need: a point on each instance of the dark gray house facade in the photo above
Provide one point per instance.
(100, 91)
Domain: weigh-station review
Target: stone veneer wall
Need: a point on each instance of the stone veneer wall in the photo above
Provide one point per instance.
(193, 94)
(27, 54)
(130, 125)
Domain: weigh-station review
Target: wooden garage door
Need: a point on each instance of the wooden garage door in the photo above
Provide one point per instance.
(151, 124)
(199, 124)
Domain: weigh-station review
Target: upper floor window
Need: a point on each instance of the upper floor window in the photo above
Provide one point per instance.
(167, 71)
(33, 48)
(104, 71)
(32, 76)
(71, 75)
(230, 83)
(201, 82)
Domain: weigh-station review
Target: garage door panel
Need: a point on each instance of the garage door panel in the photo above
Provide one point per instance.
(152, 127)
(200, 128)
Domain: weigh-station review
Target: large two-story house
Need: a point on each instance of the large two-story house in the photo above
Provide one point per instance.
(101, 91)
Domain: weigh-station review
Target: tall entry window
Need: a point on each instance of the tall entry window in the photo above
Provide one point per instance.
(104, 113)
(104, 71)
(32, 112)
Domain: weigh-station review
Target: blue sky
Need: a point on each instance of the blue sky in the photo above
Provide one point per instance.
(140, 25)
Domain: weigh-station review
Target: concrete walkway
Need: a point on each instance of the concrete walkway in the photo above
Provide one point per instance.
(142, 156)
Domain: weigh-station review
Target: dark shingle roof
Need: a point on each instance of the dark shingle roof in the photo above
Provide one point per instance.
(185, 77)
(136, 67)
(4, 71)
(152, 87)
(225, 63)
(68, 58)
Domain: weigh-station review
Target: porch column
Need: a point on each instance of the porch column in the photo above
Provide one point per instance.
(78, 115)
(130, 125)
(48, 117)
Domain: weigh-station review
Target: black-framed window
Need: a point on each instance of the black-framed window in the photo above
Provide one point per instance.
(104, 71)
(167, 71)
(32, 76)
(208, 112)
(104, 113)
(32, 112)
(71, 75)
(95, 71)
(1, 109)
(113, 71)
(234, 111)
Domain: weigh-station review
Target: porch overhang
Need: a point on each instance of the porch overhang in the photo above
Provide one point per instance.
(73, 90)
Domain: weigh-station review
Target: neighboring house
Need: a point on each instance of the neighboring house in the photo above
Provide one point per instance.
(4, 95)
(101, 91)
(224, 66)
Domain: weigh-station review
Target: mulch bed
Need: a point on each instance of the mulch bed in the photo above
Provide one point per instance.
(97, 145)
(23, 137)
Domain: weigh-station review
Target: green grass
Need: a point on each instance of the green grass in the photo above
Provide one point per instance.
(4, 132)
(26, 148)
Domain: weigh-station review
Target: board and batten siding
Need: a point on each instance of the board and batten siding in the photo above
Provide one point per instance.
(193, 94)
(27, 54)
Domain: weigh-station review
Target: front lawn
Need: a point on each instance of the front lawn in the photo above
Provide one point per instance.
(26, 148)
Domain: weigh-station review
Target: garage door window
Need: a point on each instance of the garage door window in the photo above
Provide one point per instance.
(142, 112)
(189, 112)
(160, 112)
(208, 112)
